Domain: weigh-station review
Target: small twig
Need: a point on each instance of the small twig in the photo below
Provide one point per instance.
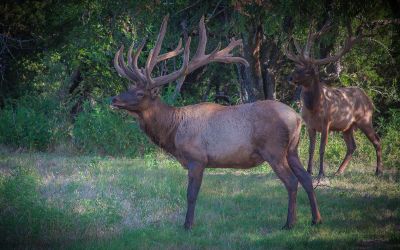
(384, 46)
(321, 185)
(215, 9)
(186, 8)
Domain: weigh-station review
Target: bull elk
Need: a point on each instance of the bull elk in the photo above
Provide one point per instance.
(209, 135)
(333, 109)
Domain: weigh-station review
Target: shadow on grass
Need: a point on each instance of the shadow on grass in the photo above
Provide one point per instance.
(248, 211)
(27, 221)
(235, 210)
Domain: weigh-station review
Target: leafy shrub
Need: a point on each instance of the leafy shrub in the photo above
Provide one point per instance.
(391, 139)
(98, 129)
(335, 149)
(32, 123)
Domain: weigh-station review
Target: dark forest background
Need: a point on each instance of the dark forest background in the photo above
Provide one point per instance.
(76, 174)
(56, 72)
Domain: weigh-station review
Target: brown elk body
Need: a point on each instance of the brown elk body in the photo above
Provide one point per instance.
(332, 109)
(209, 135)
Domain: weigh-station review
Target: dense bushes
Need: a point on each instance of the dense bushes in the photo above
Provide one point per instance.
(391, 139)
(38, 123)
(64, 49)
(98, 129)
(32, 123)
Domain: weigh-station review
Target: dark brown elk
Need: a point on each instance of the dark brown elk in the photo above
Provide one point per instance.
(332, 109)
(209, 135)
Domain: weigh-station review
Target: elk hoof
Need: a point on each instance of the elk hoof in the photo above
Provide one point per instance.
(321, 181)
(188, 226)
(316, 222)
(287, 226)
(338, 173)
(378, 172)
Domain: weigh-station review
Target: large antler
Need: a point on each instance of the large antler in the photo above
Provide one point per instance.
(362, 31)
(143, 75)
(304, 55)
(314, 36)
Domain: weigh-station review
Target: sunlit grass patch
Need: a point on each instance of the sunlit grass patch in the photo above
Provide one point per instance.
(50, 200)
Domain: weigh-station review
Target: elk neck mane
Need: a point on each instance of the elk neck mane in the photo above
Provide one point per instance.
(160, 122)
(312, 95)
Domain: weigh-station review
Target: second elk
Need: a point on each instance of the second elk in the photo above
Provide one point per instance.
(332, 109)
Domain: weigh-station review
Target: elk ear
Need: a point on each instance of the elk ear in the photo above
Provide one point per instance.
(154, 92)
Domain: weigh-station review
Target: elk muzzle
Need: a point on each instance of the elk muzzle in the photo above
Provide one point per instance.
(116, 103)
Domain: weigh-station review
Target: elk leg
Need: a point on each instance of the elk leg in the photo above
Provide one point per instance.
(351, 147)
(285, 174)
(324, 140)
(312, 134)
(369, 131)
(306, 182)
(195, 177)
(290, 181)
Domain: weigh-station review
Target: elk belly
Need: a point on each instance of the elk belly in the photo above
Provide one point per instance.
(231, 148)
(240, 159)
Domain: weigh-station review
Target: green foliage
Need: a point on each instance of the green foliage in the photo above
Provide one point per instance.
(335, 150)
(391, 139)
(98, 129)
(32, 123)
(84, 35)
(25, 217)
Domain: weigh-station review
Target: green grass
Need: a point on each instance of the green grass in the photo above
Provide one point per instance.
(59, 200)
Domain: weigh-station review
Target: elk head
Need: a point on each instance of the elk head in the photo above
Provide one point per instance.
(144, 88)
(303, 75)
(306, 71)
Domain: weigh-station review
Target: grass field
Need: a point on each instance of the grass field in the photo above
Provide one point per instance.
(52, 200)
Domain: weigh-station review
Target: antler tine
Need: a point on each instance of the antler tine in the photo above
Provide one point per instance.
(120, 71)
(201, 49)
(161, 80)
(310, 41)
(133, 60)
(171, 54)
(120, 66)
(289, 53)
(200, 58)
(298, 48)
(154, 56)
(150, 81)
(157, 48)
(314, 36)
(349, 43)
(224, 55)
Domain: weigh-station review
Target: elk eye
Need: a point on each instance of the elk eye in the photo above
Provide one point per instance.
(140, 94)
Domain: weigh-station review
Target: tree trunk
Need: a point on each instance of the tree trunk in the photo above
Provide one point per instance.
(269, 83)
(252, 78)
(253, 53)
(246, 89)
(269, 57)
